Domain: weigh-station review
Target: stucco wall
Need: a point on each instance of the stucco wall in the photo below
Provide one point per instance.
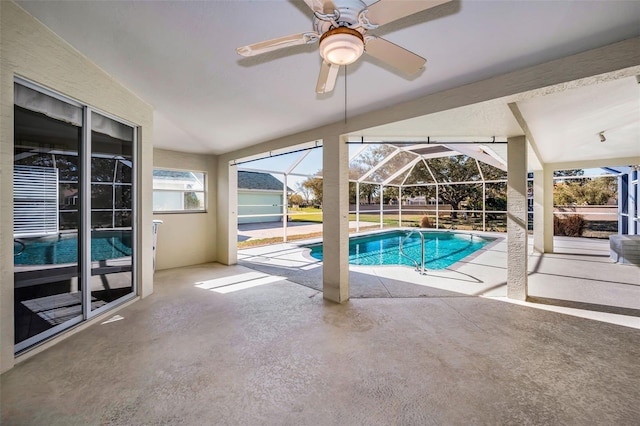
(187, 238)
(31, 51)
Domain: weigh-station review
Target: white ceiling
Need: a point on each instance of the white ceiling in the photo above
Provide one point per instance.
(572, 120)
(180, 57)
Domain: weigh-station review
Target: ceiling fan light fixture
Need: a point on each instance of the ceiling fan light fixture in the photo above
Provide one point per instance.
(341, 46)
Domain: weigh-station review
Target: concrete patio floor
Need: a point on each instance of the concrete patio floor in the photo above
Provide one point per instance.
(237, 346)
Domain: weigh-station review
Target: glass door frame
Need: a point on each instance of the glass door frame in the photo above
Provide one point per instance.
(86, 214)
(84, 223)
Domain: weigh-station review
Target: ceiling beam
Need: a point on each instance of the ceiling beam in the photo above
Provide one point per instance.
(535, 162)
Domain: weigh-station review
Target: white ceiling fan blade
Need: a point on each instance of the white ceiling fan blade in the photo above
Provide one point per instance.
(385, 11)
(327, 78)
(321, 6)
(394, 55)
(278, 43)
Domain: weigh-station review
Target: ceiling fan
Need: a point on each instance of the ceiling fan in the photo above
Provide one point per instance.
(341, 28)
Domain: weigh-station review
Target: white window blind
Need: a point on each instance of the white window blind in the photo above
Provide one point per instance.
(39, 102)
(35, 201)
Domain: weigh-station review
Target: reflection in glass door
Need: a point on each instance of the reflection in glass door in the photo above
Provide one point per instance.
(47, 281)
(74, 191)
(111, 210)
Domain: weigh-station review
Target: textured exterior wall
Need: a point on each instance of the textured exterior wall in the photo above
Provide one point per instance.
(227, 208)
(187, 238)
(517, 239)
(31, 51)
(335, 227)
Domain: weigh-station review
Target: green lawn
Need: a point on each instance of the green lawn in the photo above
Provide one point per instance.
(305, 214)
(312, 214)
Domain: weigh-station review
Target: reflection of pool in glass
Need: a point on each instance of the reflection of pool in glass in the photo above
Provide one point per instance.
(441, 249)
(56, 250)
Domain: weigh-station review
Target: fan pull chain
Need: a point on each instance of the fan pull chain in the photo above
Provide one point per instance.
(345, 94)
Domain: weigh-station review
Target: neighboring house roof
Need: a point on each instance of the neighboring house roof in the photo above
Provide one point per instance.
(259, 181)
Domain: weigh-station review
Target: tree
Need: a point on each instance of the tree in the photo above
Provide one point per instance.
(448, 172)
(296, 200)
(571, 172)
(356, 170)
(191, 201)
(599, 191)
(496, 196)
(372, 156)
(591, 192)
(456, 168)
(369, 191)
(314, 184)
(304, 191)
(390, 193)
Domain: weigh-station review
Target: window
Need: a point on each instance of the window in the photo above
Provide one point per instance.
(179, 191)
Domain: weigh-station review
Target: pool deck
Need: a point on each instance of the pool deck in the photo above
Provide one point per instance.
(578, 278)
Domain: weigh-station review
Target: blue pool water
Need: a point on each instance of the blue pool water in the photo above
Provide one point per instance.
(58, 250)
(441, 249)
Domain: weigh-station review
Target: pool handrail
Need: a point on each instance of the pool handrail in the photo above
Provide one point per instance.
(22, 247)
(419, 268)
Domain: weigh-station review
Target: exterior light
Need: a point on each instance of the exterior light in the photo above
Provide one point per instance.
(341, 46)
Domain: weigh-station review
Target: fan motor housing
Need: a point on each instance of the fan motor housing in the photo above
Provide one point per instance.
(349, 12)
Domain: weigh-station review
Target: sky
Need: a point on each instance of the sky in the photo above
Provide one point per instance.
(310, 165)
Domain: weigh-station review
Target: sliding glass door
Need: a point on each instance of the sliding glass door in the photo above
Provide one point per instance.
(74, 191)
(46, 234)
(111, 210)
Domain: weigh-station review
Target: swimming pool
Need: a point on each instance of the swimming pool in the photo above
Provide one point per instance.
(441, 249)
(57, 250)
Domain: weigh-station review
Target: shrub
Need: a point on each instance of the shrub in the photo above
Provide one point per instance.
(425, 222)
(569, 226)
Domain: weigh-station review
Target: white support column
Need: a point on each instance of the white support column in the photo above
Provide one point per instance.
(623, 216)
(227, 208)
(484, 205)
(357, 206)
(400, 206)
(538, 210)
(335, 226)
(381, 207)
(517, 250)
(543, 210)
(632, 202)
(285, 210)
(437, 207)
